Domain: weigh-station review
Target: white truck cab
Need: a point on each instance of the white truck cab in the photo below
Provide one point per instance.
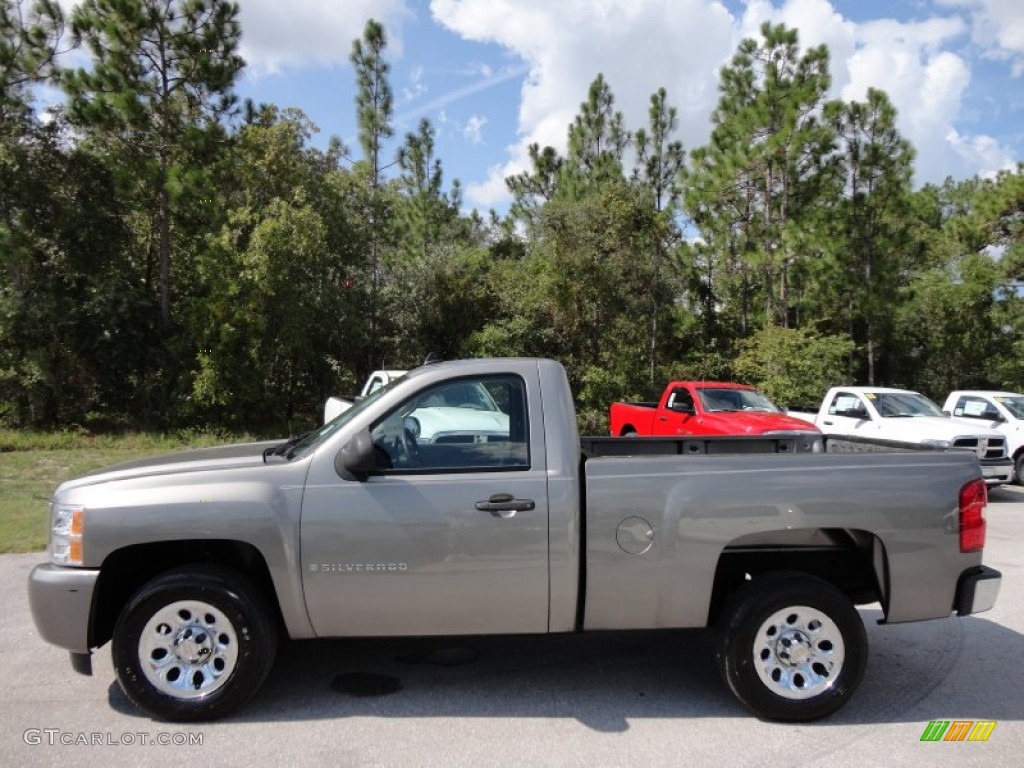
(1002, 411)
(901, 415)
(378, 379)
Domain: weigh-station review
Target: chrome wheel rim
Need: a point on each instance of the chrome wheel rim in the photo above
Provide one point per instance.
(798, 652)
(188, 649)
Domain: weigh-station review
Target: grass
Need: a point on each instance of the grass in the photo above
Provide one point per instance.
(33, 464)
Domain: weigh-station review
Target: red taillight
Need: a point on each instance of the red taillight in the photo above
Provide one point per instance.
(973, 498)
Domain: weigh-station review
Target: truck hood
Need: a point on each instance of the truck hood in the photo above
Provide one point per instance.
(441, 420)
(754, 422)
(197, 460)
(935, 428)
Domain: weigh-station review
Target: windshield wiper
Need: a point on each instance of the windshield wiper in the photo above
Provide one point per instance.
(282, 449)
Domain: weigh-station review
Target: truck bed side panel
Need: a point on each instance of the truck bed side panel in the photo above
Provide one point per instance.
(696, 505)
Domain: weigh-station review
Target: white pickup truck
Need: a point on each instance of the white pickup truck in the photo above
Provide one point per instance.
(867, 415)
(1002, 411)
(378, 379)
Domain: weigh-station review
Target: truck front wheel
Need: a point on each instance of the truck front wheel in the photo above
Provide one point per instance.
(1018, 468)
(791, 647)
(194, 644)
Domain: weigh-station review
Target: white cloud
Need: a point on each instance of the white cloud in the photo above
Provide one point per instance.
(928, 85)
(416, 87)
(981, 152)
(997, 27)
(641, 45)
(473, 129)
(492, 192)
(280, 36)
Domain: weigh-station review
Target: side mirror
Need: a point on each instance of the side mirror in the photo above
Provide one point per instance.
(856, 413)
(358, 458)
(683, 407)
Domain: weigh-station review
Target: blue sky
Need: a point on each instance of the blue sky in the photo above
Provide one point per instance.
(496, 75)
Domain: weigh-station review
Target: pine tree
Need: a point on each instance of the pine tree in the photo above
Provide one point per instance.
(160, 81)
(660, 160)
(30, 41)
(877, 166)
(374, 110)
(597, 141)
(756, 187)
(532, 189)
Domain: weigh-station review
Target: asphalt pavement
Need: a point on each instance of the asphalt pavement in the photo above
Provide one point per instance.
(615, 699)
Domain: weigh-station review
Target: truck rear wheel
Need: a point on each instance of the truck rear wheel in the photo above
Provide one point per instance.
(194, 644)
(791, 647)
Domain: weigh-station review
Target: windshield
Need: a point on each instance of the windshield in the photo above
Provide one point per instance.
(892, 405)
(1014, 404)
(729, 399)
(309, 443)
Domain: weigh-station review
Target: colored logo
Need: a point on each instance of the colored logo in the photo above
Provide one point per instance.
(958, 730)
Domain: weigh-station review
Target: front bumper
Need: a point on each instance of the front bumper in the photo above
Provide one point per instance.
(61, 602)
(997, 471)
(977, 589)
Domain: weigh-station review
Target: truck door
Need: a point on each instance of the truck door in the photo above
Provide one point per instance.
(979, 409)
(450, 534)
(678, 416)
(847, 415)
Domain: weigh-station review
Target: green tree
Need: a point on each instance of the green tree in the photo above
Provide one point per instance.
(533, 188)
(425, 209)
(159, 82)
(71, 327)
(945, 327)
(578, 294)
(596, 143)
(374, 110)
(30, 42)
(279, 320)
(660, 162)
(793, 366)
(597, 140)
(877, 167)
(660, 159)
(755, 190)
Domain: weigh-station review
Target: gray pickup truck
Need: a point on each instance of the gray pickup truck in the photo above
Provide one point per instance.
(196, 565)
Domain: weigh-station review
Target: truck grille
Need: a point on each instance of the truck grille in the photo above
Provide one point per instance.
(984, 447)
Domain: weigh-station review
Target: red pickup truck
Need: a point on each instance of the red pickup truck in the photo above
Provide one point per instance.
(705, 408)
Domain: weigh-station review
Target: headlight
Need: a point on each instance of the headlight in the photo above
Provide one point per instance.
(67, 522)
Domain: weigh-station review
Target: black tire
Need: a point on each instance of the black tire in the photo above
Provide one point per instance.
(791, 647)
(1018, 469)
(195, 643)
(628, 432)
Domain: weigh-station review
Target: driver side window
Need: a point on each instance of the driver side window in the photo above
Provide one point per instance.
(469, 424)
(849, 405)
